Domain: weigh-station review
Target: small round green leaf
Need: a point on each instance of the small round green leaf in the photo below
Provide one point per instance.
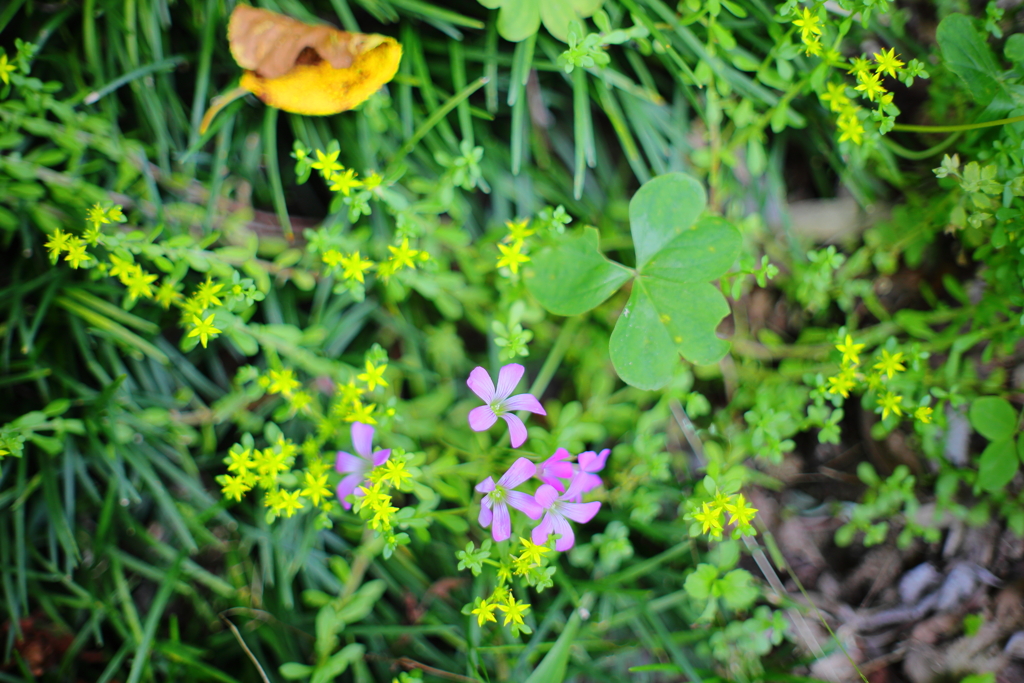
(997, 465)
(994, 418)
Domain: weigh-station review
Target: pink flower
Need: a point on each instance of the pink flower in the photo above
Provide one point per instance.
(590, 462)
(558, 508)
(553, 470)
(356, 466)
(499, 403)
(494, 506)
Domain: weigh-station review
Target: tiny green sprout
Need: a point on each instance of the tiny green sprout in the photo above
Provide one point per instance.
(473, 558)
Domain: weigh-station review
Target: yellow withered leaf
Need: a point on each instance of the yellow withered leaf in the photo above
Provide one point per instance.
(306, 69)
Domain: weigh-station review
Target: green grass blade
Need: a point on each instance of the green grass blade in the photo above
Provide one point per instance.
(156, 610)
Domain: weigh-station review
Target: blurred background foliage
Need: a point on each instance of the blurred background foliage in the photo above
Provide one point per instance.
(120, 559)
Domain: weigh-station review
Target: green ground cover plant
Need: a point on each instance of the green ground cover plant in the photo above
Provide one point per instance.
(524, 367)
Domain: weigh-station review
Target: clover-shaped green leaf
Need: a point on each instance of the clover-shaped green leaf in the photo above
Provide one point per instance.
(673, 309)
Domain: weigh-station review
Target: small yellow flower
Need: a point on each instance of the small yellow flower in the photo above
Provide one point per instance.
(327, 164)
(835, 96)
(890, 363)
(373, 375)
(513, 610)
(350, 393)
(859, 66)
(167, 293)
(289, 503)
(57, 243)
(532, 551)
(206, 293)
(395, 473)
(518, 231)
(240, 461)
(76, 255)
(870, 85)
(890, 403)
(809, 25)
(354, 266)
(484, 612)
(234, 487)
(139, 284)
(6, 69)
(203, 329)
(345, 182)
(924, 414)
(512, 256)
(332, 257)
(739, 512)
(282, 382)
(849, 351)
(711, 519)
(887, 62)
(361, 413)
(316, 488)
(850, 128)
(842, 383)
(403, 256)
(96, 215)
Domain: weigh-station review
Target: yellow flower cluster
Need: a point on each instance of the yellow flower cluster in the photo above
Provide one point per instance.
(339, 178)
(851, 117)
(374, 501)
(353, 266)
(502, 600)
(887, 366)
(710, 515)
(348, 402)
(511, 246)
(263, 468)
(74, 247)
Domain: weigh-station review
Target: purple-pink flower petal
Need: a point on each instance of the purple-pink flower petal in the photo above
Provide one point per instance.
(481, 418)
(362, 439)
(480, 384)
(381, 457)
(542, 531)
(524, 402)
(546, 495)
(580, 512)
(521, 470)
(486, 486)
(562, 527)
(592, 462)
(589, 483)
(525, 503)
(346, 462)
(485, 513)
(502, 528)
(575, 486)
(553, 470)
(346, 486)
(508, 378)
(516, 429)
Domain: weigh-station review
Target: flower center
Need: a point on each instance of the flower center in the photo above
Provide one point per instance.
(498, 407)
(497, 495)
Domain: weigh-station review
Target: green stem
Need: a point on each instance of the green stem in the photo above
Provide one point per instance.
(274, 171)
(433, 120)
(916, 155)
(555, 356)
(954, 129)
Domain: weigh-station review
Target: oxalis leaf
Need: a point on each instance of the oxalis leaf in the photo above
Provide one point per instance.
(673, 310)
(574, 277)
